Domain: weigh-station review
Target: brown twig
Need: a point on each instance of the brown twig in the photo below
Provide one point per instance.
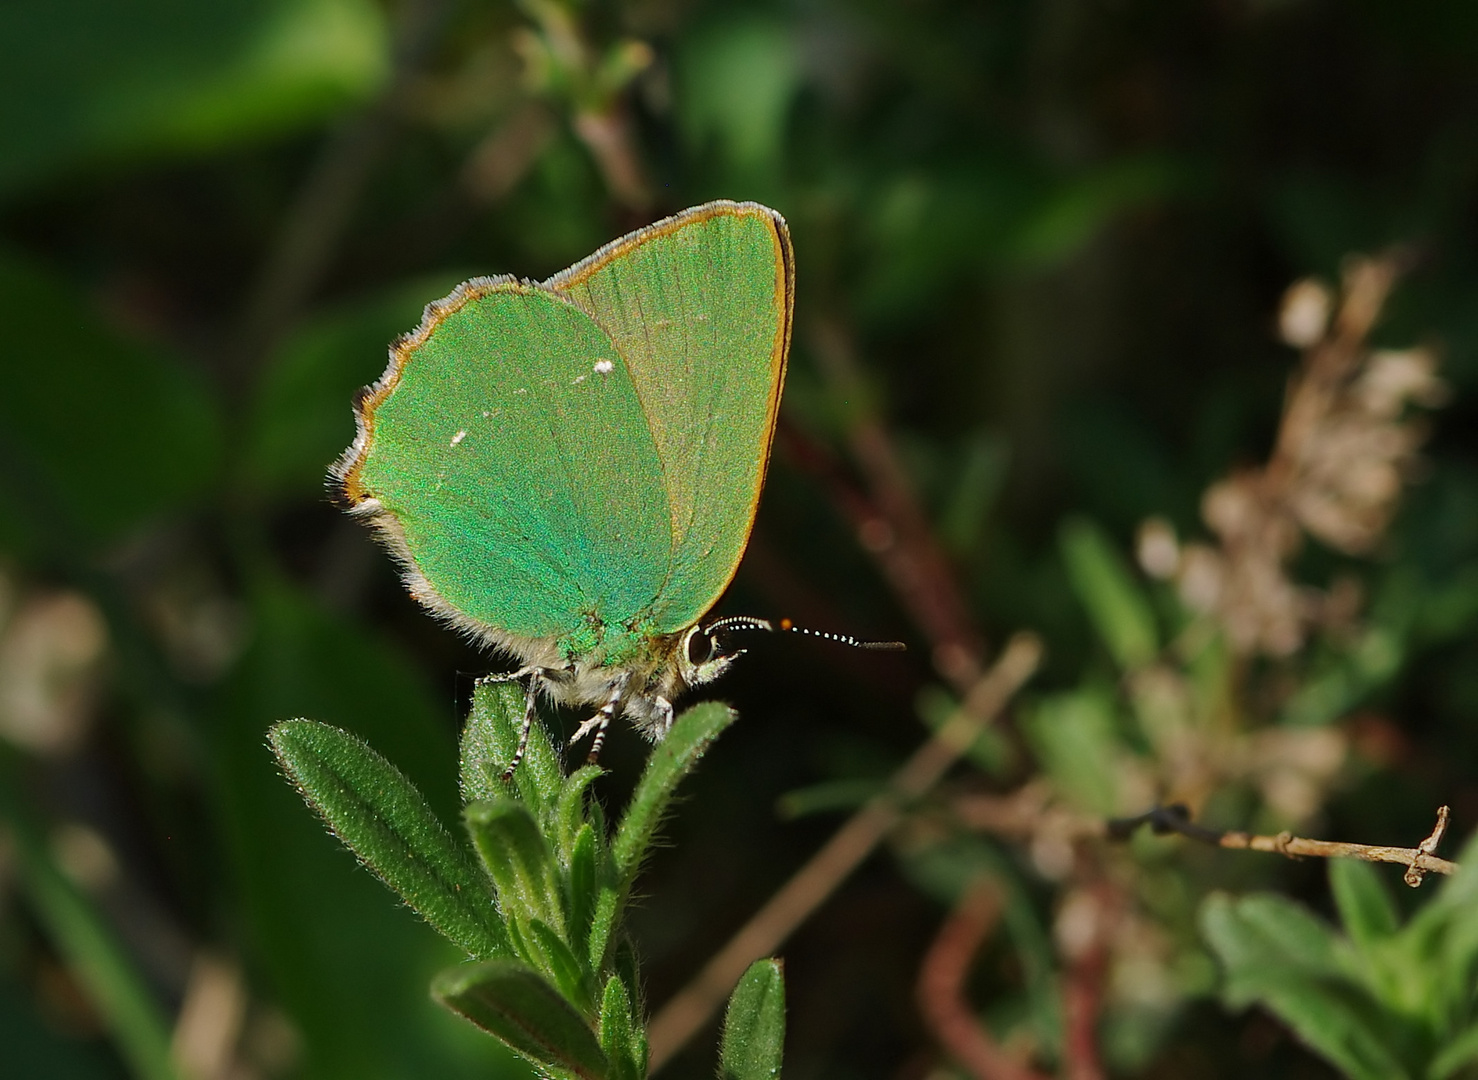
(1085, 972)
(687, 1011)
(1082, 1001)
(941, 990)
(1419, 861)
(501, 160)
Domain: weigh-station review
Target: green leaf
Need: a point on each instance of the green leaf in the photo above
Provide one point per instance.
(1437, 950)
(1118, 608)
(572, 978)
(490, 740)
(569, 813)
(519, 1006)
(75, 398)
(671, 759)
(1264, 939)
(582, 887)
(383, 819)
(1461, 1050)
(1279, 955)
(754, 1027)
(1329, 1024)
(306, 910)
(113, 984)
(1075, 737)
(1364, 904)
(738, 82)
(518, 859)
(621, 1037)
(164, 76)
(603, 923)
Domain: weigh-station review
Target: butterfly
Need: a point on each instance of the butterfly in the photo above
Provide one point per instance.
(568, 470)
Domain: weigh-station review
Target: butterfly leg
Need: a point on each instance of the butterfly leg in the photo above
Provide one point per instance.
(600, 721)
(664, 716)
(536, 675)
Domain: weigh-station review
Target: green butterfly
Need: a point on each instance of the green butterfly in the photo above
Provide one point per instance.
(568, 470)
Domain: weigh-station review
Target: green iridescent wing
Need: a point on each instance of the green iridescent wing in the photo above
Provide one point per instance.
(506, 446)
(572, 459)
(699, 307)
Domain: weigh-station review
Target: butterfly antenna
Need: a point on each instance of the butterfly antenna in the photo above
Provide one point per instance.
(843, 639)
(739, 622)
(749, 622)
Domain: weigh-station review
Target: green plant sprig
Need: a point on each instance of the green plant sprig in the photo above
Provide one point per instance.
(552, 973)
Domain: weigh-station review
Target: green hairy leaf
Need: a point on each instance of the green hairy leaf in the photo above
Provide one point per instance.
(519, 1006)
(383, 819)
(489, 741)
(621, 1034)
(518, 858)
(754, 1027)
(690, 737)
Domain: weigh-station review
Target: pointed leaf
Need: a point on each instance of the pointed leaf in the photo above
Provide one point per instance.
(1120, 612)
(381, 817)
(670, 761)
(569, 973)
(754, 1028)
(602, 923)
(519, 1006)
(1330, 1025)
(621, 1037)
(569, 813)
(1459, 1051)
(1263, 939)
(518, 859)
(1364, 903)
(581, 889)
(113, 985)
(490, 740)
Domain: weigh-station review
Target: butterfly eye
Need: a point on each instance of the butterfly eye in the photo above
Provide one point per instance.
(701, 649)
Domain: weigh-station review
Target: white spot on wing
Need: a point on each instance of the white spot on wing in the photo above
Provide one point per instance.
(459, 436)
(603, 367)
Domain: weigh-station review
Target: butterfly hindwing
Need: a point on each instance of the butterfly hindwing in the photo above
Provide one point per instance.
(699, 306)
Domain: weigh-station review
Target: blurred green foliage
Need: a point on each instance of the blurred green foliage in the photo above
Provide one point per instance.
(1051, 239)
(1379, 1000)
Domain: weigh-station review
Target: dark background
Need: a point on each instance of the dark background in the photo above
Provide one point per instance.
(1050, 239)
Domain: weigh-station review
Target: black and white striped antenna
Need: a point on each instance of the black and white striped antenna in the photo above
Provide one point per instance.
(749, 622)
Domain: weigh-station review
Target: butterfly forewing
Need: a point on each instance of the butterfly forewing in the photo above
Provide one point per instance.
(509, 446)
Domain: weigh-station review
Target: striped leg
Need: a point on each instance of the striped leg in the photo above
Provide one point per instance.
(599, 722)
(536, 675)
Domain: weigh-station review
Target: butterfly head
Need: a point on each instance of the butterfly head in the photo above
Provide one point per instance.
(705, 652)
